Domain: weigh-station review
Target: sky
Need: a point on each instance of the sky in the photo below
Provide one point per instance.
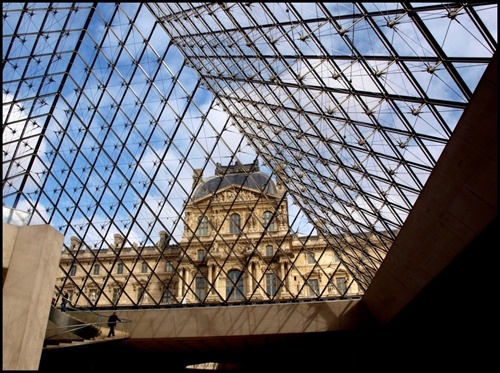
(105, 140)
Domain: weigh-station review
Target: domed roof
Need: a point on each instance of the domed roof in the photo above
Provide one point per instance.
(248, 176)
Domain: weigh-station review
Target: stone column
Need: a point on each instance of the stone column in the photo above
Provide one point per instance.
(31, 256)
(214, 279)
(250, 274)
(180, 286)
(259, 294)
(284, 279)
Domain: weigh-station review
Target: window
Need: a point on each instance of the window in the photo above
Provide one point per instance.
(341, 284)
(268, 221)
(201, 254)
(119, 268)
(202, 226)
(234, 285)
(200, 288)
(140, 295)
(169, 267)
(97, 267)
(144, 267)
(116, 295)
(167, 295)
(72, 271)
(271, 284)
(311, 257)
(269, 250)
(313, 288)
(235, 224)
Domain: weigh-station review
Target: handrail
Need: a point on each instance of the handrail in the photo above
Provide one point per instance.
(72, 328)
(87, 319)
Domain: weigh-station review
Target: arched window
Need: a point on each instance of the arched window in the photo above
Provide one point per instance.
(235, 224)
(202, 226)
(144, 267)
(234, 285)
(269, 250)
(200, 254)
(268, 221)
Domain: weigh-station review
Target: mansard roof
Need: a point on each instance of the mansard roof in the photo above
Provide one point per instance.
(239, 175)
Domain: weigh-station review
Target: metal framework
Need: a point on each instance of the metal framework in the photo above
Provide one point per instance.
(108, 108)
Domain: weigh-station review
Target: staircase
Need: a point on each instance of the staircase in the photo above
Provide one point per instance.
(80, 327)
(79, 342)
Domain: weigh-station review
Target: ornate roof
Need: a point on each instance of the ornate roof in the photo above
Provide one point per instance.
(240, 175)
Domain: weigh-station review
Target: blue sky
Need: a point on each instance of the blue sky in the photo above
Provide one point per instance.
(114, 147)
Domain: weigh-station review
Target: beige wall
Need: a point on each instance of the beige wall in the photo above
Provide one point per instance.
(303, 267)
(459, 201)
(33, 254)
(294, 279)
(245, 320)
(8, 242)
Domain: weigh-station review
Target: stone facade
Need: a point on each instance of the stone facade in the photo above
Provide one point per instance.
(237, 246)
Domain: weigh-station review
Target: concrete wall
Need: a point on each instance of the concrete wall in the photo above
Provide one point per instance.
(247, 320)
(458, 202)
(31, 257)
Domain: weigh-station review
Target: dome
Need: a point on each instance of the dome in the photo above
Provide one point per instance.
(236, 175)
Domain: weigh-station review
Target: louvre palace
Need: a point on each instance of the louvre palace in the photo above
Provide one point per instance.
(240, 180)
(226, 254)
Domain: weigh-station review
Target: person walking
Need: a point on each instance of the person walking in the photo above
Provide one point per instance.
(64, 301)
(112, 323)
